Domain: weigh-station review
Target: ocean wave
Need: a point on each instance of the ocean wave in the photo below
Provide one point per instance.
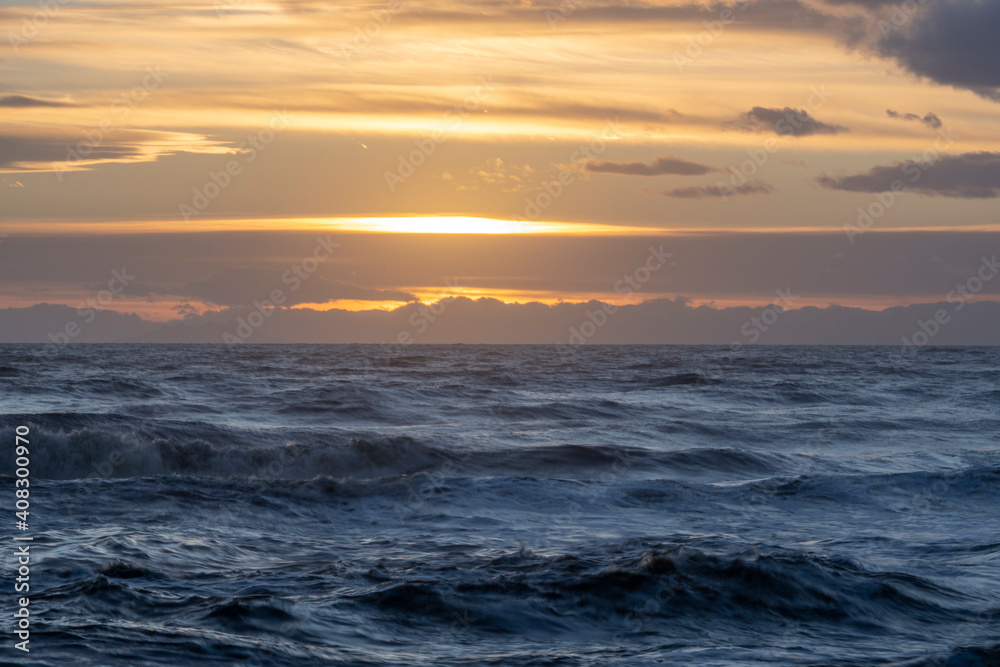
(106, 447)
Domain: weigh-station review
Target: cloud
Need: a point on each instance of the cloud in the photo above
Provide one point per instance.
(347, 99)
(241, 286)
(21, 101)
(930, 120)
(952, 42)
(494, 173)
(65, 149)
(787, 122)
(965, 176)
(791, 14)
(35, 150)
(720, 189)
(862, 3)
(658, 321)
(658, 167)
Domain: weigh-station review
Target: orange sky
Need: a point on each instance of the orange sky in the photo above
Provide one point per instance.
(599, 119)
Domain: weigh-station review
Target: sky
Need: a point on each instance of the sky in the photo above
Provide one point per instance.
(178, 163)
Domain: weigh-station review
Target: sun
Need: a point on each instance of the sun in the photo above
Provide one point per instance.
(457, 224)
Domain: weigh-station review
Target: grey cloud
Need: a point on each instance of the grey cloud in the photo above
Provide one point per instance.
(720, 189)
(658, 167)
(33, 150)
(965, 176)
(463, 320)
(241, 286)
(786, 121)
(21, 101)
(930, 119)
(885, 267)
(791, 14)
(951, 42)
(862, 3)
(22, 151)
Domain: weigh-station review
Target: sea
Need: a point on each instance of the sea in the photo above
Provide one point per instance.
(503, 505)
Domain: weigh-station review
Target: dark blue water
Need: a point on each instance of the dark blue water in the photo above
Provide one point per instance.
(490, 505)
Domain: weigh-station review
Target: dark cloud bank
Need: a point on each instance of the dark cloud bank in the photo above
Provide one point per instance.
(462, 320)
(953, 42)
(965, 176)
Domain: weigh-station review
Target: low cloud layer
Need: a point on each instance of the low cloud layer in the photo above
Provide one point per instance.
(463, 320)
(966, 176)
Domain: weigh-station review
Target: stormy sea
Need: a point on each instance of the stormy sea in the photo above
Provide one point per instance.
(504, 505)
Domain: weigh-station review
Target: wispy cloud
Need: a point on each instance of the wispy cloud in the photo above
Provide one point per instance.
(23, 101)
(724, 190)
(930, 119)
(657, 167)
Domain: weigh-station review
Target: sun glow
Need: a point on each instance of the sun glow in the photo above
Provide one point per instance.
(434, 225)
(460, 224)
